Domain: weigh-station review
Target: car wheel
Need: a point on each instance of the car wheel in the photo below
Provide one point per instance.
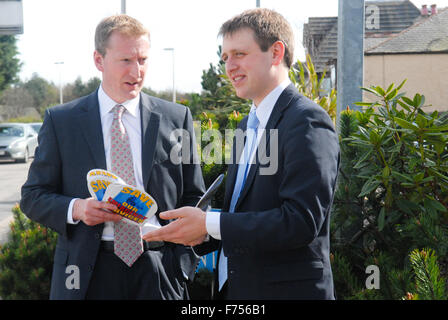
(25, 158)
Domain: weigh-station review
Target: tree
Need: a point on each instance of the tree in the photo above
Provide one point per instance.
(218, 96)
(9, 64)
(79, 89)
(16, 100)
(44, 93)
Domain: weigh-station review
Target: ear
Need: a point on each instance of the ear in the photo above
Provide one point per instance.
(278, 50)
(99, 61)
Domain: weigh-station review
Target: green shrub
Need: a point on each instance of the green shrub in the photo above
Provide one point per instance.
(309, 83)
(392, 194)
(26, 260)
(25, 119)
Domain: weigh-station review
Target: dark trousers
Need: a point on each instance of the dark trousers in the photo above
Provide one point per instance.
(223, 294)
(147, 278)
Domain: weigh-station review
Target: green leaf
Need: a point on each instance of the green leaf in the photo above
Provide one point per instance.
(374, 91)
(402, 177)
(421, 121)
(405, 124)
(409, 101)
(404, 105)
(380, 91)
(369, 186)
(401, 84)
(361, 161)
(434, 204)
(366, 104)
(374, 137)
(390, 87)
(391, 95)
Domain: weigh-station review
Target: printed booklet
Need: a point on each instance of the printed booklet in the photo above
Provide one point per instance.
(134, 204)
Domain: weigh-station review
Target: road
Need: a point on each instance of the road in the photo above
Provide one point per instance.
(12, 177)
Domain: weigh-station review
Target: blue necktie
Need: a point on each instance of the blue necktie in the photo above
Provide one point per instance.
(243, 169)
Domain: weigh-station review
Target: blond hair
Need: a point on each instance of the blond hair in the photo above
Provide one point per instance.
(121, 23)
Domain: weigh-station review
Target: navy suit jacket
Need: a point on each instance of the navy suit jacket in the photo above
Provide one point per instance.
(277, 241)
(71, 144)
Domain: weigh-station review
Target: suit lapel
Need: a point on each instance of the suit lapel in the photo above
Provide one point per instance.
(89, 121)
(150, 122)
(282, 103)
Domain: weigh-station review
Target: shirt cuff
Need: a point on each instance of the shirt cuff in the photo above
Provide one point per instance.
(212, 224)
(70, 212)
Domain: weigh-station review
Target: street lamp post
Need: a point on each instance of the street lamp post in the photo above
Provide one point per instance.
(61, 100)
(123, 6)
(174, 84)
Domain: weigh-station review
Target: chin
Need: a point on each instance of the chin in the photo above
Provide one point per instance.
(240, 92)
(133, 94)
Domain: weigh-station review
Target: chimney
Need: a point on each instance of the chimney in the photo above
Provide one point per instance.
(433, 9)
(424, 10)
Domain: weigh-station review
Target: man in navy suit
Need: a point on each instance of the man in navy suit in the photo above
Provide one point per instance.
(273, 234)
(75, 138)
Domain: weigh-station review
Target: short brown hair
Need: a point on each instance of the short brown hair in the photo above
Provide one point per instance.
(268, 26)
(121, 23)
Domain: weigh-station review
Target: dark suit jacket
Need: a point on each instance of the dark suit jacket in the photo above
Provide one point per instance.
(71, 144)
(277, 241)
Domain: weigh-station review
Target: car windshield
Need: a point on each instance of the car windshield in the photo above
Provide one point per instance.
(11, 131)
(36, 127)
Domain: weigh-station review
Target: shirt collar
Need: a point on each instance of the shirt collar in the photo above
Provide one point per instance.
(107, 104)
(266, 106)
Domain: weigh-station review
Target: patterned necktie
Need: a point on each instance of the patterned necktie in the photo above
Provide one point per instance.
(243, 168)
(128, 244)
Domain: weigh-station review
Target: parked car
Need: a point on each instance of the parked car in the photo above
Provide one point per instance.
(18, 141)
(36, 126)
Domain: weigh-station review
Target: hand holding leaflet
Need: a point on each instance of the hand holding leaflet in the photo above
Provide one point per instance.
(188, 227)
(132, 203)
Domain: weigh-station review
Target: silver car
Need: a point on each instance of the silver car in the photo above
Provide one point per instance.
(18, 141)
(36, 126)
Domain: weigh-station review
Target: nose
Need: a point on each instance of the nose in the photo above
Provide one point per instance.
(231, 66)
(136, 70)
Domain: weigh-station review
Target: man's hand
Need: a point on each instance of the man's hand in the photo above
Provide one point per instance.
(93, 212)
(189, 228)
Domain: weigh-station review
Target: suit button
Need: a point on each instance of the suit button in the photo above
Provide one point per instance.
(97, 235)
(232, 272)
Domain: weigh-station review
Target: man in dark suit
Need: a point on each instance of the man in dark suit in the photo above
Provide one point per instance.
(75, 138)
(274, 225)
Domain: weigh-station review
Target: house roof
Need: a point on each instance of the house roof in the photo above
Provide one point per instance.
(320, 34)
(395, 16)
(429, 35)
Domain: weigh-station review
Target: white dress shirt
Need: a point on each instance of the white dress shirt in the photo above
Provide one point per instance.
(131, 121)
(263, 112)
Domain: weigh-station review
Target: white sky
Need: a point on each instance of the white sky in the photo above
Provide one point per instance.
(63, 30)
